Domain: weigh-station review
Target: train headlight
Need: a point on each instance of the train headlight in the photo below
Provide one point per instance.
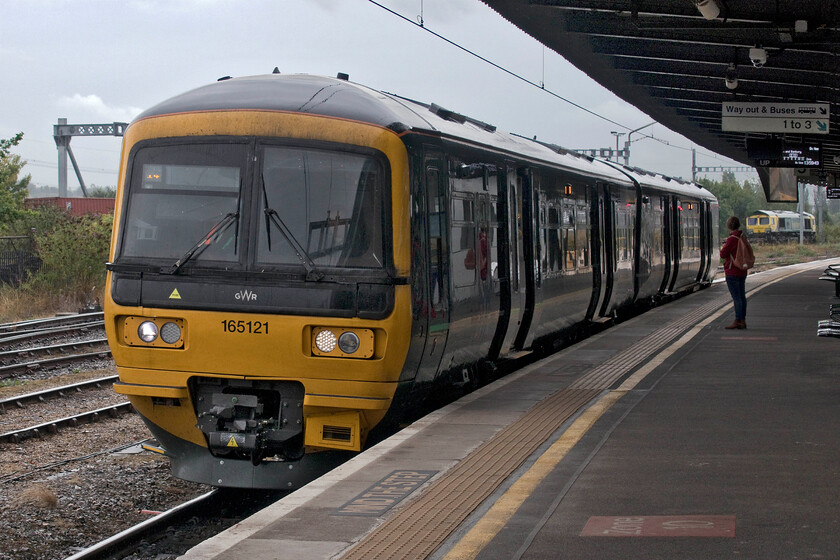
(147, 331)
(325, 341)
(348, 342)
(170, 333)
(342, 342)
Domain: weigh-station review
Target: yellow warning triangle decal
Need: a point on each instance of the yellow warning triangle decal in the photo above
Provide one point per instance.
(175, 294)
(232, 442)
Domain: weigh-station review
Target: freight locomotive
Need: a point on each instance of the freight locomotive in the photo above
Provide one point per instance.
(295, 257)
(781, 226)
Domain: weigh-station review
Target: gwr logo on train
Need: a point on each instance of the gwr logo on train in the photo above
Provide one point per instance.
(246, 295)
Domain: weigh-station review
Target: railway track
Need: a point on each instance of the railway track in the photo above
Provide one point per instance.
(8, 340)
(12, 369)
(33, 347)
(53, 426)
(174, 531)
(9, 329)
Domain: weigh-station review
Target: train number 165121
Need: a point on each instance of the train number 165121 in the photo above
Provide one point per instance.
(245, 327)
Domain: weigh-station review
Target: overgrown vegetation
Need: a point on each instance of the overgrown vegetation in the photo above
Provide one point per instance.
(12, 186)
(72, 250)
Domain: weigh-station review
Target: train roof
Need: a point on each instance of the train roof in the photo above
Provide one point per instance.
(338, 97)
(780, 213)
(652, 180)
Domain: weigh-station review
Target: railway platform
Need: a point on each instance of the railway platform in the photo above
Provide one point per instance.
(663, 437)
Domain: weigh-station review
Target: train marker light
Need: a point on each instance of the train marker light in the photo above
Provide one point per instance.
(170, 332)
(147, 331)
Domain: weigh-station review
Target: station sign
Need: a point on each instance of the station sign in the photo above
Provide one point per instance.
(780, 118)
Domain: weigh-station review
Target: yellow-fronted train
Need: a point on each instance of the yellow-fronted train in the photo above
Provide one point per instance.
(295, 257)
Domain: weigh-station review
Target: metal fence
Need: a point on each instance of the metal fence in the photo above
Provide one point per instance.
(17, 259)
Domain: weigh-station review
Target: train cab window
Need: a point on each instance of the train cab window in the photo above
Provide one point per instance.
(330, 202)
(752, 221)
(764, 220)
(181, 196)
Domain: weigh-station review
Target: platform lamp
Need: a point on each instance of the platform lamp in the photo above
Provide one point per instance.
(709, 9)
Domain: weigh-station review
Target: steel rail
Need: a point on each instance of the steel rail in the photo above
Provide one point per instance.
(40, 396)
(36, 323)
(118, 545)
(16, 436)
(35, 334)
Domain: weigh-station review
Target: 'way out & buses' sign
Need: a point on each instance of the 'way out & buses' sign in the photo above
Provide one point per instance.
(791, 118)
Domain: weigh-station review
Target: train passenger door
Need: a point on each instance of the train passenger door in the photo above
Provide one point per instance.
(598, 249)
(518, 282)
(667, 242)
(609, 253)
(510, 249)
(676, 240)
(706, 247)
(435, 313)
(528, 262)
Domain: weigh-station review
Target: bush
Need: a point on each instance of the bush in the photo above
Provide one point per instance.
(73, 253)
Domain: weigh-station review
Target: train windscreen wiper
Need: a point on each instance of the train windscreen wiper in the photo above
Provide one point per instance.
(271, 217)
(204, 242)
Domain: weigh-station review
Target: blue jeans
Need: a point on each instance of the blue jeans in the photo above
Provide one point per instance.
(738, 289)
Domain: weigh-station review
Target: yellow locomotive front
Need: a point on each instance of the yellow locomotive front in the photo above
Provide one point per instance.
(258, 304)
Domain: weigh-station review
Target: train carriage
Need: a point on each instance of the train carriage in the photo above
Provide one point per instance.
(296, 257)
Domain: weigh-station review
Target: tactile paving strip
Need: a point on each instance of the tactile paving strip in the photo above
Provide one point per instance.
(419, 528)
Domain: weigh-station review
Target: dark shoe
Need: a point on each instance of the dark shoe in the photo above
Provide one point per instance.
(742, 325)
(736, 324)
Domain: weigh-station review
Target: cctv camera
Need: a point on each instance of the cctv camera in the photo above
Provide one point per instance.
(758, 56)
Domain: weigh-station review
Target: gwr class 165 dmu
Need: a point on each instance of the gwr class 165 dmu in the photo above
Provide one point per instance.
(295, 256)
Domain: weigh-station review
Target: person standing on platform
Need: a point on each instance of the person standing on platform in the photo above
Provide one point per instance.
(736, 278)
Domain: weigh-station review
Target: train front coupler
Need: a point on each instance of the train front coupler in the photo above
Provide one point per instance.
(247, 422)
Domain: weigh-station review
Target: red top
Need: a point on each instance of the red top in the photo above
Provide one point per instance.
(727, 253)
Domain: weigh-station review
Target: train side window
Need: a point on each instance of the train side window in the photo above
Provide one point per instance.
(493, 239)
(569, 240)
(464, 258)
(582, 235)
(555, 249)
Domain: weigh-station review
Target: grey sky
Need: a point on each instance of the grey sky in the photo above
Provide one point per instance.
(97, 61)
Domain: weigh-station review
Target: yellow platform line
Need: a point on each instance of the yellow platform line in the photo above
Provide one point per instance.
(495, 519)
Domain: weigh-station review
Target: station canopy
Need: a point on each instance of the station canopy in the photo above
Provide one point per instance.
(756, 81)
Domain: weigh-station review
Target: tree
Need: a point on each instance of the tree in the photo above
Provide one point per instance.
(735, 199)
(12, 188)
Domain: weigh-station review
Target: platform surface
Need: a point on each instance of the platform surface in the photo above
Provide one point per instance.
(663, 437)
